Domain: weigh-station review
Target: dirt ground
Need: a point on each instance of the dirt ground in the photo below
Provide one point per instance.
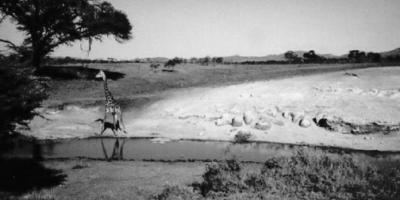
(354, 108)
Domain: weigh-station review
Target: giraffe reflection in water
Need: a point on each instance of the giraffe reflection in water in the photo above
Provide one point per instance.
(118, 150)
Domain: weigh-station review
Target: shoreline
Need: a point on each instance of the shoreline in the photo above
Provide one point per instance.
(191, 113)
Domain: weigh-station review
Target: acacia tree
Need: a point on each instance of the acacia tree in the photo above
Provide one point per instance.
(50, 23)
(292, 57)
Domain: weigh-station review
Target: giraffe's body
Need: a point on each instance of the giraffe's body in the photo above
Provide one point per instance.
(111, 105)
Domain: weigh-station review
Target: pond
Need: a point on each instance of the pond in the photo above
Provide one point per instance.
(145, 149)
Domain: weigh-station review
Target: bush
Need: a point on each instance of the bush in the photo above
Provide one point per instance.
(20, 94)
(302, 176)
(177, 193)
(242, 137)
(222, 177)
(75, 72)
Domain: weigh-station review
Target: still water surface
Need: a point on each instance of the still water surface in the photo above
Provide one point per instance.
(148, 150)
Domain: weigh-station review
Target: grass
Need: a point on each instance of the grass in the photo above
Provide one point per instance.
(308, 174)
(141, 79)
(303, 176)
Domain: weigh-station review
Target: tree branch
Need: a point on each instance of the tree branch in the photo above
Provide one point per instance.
(9, 43)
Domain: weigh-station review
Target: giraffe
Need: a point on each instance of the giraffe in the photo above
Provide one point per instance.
(108, 125)
(111, 106)
(117, 152)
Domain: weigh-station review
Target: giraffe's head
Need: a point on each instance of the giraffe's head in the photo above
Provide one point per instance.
(101, 74)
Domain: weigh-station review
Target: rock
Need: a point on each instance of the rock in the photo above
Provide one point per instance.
(286, 115)
(263, 125)
(237, 121)
(296, 117)
(318, 117)
(305, 123)
(225, 119)
(248, 117)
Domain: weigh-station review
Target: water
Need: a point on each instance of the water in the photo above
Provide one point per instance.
(146, 150)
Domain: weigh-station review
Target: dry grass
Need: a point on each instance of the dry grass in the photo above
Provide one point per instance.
(141, 79)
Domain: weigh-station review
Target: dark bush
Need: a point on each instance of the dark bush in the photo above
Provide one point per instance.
(302, 176)
(23, 175)
(224, 177)
(242, 137)
(177, 192)
(20, 94)
(75, 72)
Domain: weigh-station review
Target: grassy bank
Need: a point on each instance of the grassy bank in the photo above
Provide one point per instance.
(303, 175)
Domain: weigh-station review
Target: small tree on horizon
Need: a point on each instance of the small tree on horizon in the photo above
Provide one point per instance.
(292, 57)
(48, 24)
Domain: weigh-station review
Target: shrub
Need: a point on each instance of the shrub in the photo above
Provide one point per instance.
(177, 193)
(222, 177)
(20, 94)
(302, 176)
(75, 72)
(242, 137)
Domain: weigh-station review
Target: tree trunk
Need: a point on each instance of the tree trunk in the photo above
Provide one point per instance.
(36, 60)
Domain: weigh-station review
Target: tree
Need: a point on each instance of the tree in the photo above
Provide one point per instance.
(49, 23)
(20, 95)
(171, 63)
(217, 60)
(374, 57)
(292, 57)
(357, 56)
(312, 57)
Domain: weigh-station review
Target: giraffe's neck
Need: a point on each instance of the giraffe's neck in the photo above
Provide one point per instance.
(107, 92)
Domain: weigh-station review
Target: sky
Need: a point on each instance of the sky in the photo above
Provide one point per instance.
(197, 28)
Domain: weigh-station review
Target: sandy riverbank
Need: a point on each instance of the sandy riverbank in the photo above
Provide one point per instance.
(359, 109)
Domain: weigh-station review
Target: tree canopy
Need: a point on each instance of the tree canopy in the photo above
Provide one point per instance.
(50, 23)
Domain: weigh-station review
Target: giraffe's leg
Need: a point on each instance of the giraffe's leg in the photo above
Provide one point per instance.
(102, 130)
(121, 152)
(115, 150)
(114, 132)
(104, 150)
(115, 119)
(103, 127)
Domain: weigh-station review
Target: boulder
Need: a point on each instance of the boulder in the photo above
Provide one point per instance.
(296, 117)
(263, 125)
(248, 117)
(305, 123)
(286, 115)
(225, 119)
(318, 117)
(237, 121)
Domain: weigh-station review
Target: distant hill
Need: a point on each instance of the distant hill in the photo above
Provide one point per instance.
(394, 52)
(276, 57)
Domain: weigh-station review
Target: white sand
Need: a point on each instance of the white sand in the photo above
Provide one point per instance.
(371, 96)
